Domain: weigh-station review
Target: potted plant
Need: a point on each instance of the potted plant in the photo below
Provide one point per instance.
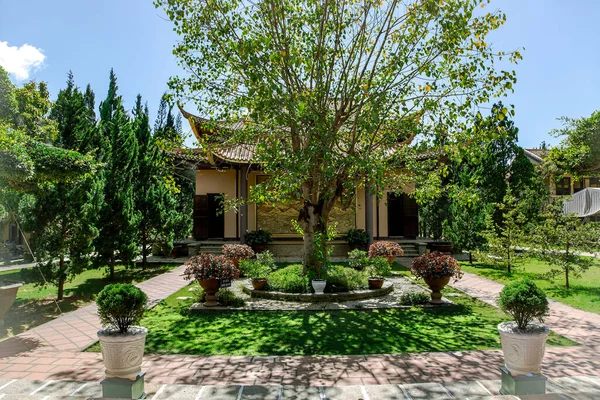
(436, 269)
(358, 259)
(357, 239)
(120, 307)
(523, 342)
(378, 269)
(259, 273)
(8, 294)
(208, 270)
(318, 283)
(387, 249)
(258, 239)
(237, 252)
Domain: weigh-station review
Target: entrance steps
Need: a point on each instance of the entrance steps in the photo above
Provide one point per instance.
(208, 247)
(411, 248)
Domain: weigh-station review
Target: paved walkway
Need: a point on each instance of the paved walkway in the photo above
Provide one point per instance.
(52, 352)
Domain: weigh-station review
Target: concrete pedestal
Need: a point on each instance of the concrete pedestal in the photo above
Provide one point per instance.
(522, 384)
(119, 388)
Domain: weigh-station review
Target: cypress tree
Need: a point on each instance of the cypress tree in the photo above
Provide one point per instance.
(118, 217)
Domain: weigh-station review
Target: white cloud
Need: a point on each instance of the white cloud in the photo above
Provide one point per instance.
(20, 61)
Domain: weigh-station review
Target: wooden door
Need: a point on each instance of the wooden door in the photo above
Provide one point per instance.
(201, 217)
(403, 216)
(216, 217)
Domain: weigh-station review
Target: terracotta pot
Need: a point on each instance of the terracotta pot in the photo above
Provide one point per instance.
(391, 259)
(123, 353)
(437, 285)
(8, 293)
(259, 284)
(375, 283)
(211, 287)
(442, 247)
(523, 351)
(235, 262)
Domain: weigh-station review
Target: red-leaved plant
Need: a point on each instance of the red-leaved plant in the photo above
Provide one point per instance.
(208, 266)
(435, 265)
(239, 251)
(385, 249)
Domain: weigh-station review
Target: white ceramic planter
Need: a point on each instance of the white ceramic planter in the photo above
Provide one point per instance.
(123, 353)
(319, 286)
(523, 351)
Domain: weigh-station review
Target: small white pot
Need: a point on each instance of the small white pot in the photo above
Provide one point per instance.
(319, 286)
(523, 351)
(123, 353)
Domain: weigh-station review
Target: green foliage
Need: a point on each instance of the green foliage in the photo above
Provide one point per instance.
(379, 267)
(225, 297)
(120, 306)
(328, 94)
(289, 280)
(342, 279)
(33, 107)
(259, 236)
(524, 302)
(357, 237)
(558, 238)
(8, 102)
(414, 299)
(579, 151)
(358, 259)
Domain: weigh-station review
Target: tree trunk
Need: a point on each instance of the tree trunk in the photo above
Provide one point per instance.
(144, 248)
(112, 267)
(314, 225)
(508, 260)
(470, 258)
(61, 278)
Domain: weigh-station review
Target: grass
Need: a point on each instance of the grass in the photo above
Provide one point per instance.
(470, 325)
(584, 291)
(34, 305)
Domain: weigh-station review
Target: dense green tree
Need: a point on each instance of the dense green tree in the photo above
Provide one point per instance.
(118, 217)
(326, 90)
(33, 107)
(8, 102)
(559, 238)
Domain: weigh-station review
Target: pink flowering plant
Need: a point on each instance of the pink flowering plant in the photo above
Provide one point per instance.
(385, 249)
(239, 251)
(209, 266)
(435, 265)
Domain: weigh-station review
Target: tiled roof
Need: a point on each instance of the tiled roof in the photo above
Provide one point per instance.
(241, 153)
(535, 155)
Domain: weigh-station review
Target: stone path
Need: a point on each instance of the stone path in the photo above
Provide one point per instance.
(51, 352)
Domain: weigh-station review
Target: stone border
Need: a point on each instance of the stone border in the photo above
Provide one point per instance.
(387, 288)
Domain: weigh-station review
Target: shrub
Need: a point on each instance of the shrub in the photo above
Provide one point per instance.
(208, 266)
(524, 301)
(357, 237)
(435, 265)
(266, 258)
(225, 297)
(358, 259)
(385, 249)
(259, 268)
(259, 236)
(414, 299)
(288, 280)
(245, 267)
(259, 271)
(120, 306)
(378, 267)
(239, 251)
(343, 279)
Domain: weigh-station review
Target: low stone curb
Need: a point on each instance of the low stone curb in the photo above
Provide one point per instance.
(387, 288)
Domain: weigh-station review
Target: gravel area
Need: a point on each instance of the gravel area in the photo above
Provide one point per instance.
(401, 284)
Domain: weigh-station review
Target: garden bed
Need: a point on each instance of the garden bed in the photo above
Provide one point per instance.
(335, 297)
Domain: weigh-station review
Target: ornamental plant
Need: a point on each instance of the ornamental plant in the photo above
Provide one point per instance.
(385, 249)
(259, 236)
(358, 259)
(208, 266)
(378, 268)
(239, 251)
(435, 265)
(120, 306)
(357, 237)
(524, 302)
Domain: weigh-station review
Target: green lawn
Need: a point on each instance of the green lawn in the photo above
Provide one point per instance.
(470, 325)
(584, 292)
(34, 304)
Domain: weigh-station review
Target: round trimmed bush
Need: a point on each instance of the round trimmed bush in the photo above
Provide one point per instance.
(524, 301)
(120, 306)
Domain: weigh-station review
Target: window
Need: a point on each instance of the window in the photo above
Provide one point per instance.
(578, 186)
(563, 187)
(594, 183)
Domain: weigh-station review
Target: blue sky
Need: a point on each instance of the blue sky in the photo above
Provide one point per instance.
(559, 75)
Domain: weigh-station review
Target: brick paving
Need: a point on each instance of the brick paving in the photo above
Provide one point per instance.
(52, 352)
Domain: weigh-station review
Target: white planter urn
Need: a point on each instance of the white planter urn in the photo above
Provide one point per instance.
(319, 285)
(123, 353)
(523, 350)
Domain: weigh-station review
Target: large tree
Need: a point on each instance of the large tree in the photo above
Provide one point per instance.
(331, 92)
